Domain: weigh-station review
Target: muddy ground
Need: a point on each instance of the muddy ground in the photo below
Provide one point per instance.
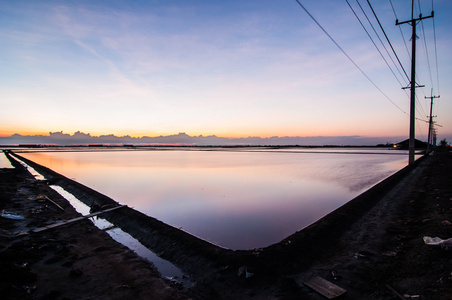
(372, 247)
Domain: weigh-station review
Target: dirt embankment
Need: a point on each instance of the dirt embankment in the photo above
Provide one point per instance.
(371, 246)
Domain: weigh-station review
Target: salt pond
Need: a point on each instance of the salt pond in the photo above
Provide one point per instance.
(238, 199)
(4, 162)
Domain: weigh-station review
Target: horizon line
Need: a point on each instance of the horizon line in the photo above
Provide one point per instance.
(181, 133)
(79, 138)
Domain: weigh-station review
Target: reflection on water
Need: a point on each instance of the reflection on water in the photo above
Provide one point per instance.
(236, 199)
(165, 268)
(4, 162)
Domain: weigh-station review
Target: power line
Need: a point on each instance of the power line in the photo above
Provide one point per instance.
(431, 123)
(422, 90)
(436, 52)
(412, 22)
(381, 27)
(400, 29)
(409, 55)
(426, 52)
(421, 111)
(378, 36)
(419, 107)
(425, 46)
(420, 129)
(343, 51)
(381, 54)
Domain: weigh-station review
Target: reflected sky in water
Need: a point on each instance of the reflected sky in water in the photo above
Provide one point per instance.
(236, 199)
(4, 162)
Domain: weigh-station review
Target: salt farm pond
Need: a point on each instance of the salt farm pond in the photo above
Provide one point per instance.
(235, 198)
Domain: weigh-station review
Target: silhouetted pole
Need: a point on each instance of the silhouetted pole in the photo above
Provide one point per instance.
(413, 80)
(430, 123)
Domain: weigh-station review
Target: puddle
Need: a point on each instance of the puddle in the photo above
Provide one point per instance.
(32, 171)
(166, 268)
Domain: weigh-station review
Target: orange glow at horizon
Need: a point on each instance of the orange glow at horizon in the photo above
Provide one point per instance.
(223, 134)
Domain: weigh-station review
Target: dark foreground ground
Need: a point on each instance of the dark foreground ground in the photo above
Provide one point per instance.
(372, 247)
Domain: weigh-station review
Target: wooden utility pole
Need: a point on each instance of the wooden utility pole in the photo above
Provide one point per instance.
(430, 123)
(413, 23)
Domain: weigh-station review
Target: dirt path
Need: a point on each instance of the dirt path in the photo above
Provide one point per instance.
(385, 252)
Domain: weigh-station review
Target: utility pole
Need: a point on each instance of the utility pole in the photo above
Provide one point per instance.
(413, 22)
(430, 123)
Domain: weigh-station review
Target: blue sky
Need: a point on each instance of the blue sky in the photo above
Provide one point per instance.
(229, 68)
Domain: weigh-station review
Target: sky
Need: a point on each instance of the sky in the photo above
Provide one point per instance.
(226, 68)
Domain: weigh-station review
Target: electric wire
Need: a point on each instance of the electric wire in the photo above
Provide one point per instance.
(420, 131)
(436, 52)
(425, 48)
(345, 53)
(435, 44)
(387, 39)
(401, 32)
(437, 69)
(421, 120)
(368, 34)
(426, 53)
(387, 52)
(409, 55)
(381, 42)
(420, 110)
(378, 36)
(419, 107)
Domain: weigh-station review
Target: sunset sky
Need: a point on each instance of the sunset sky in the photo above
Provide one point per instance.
(226, 68)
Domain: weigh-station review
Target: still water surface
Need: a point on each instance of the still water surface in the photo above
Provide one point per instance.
(235, 199)
(4, 162)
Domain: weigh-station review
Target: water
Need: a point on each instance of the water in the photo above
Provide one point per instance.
(166, 268)
(236, 199)
(4, 162)
(32, 171)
